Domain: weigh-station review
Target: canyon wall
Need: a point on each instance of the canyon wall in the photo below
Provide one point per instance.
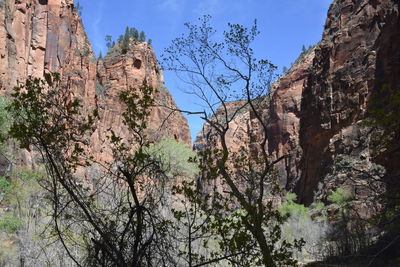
(315, 111)
(355, 58)
(38, 36)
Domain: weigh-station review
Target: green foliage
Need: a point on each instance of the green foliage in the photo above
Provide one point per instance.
(10, 224)
(5, 186)
(109, 41)
(119, 223)
(142, 36)
(290, 208)
(5, 118)
(124, 41)
(78, 8)
(176, 158)
(221, 70)
(24, 222)
(29, 175)
(133, 32)
(35, 111)
(305, 223)
(339, 197)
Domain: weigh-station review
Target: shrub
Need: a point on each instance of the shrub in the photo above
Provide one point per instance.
(10, 224)
(175, 158)
(290, 208)
(300, 225)
(339, 197)
(5, 185)
(5, 118)
(349, 234)
(27, 175)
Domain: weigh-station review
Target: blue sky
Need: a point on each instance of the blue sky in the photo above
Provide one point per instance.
(285, 26)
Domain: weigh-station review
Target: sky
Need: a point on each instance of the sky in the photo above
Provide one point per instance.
(285, 26)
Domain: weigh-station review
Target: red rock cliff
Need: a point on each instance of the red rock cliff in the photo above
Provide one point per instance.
(37, 36)
(117, 72)
(315, 110)
(355, 57)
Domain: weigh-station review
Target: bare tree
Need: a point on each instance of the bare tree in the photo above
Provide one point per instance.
(226, 76)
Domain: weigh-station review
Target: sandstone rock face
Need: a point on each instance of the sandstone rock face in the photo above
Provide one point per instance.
(354, 58)
(238, 135)
(281, 111)
(45, 36)
(116, 73)
(284, 122)
(315, 111)
(38, 36)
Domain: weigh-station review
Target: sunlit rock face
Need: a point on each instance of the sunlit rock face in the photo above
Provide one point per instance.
(314, 111)
(38, 36)
(119, 72)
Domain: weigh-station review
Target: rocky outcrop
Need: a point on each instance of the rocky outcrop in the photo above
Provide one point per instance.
(282, 111)
(284, 122)
(118, 72)
(45, 36)
(38, 36)
(238, 134)
(354, 58)
(315, 111)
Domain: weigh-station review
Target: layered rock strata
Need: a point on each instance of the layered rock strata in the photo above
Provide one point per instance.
(38, 36)
(315, 111)
(354, 59)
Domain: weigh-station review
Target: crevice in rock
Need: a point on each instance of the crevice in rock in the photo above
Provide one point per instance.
(137, 63)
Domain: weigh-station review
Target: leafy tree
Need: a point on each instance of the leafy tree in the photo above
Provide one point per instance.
(142, 36)
(133, 32)
(126, 41)
(120, 38)
(290, 207)
(109, 41)
(118, 221)
(127, 34)
(244, 220)
(79, 8)
(174, 158)
(340, 197)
